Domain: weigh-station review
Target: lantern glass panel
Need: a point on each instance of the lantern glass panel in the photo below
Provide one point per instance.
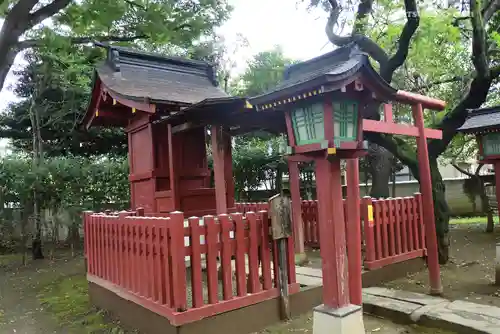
(491, 144)
(345, 116)
(308, 124)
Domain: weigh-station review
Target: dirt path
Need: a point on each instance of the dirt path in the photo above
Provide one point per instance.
(470, 273)
(20, 309)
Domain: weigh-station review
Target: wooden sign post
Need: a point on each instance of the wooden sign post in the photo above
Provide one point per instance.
(281, 229)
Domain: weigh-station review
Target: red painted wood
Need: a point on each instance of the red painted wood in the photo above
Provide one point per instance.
(353, 232)
(385, 229)
(219, 175)
(388, 116)
(332, 233)
(137, 269)
(265, 251)
(409, 214)
(227, 272)
(166, 265)
(416, 223)
(377, 211)
(394, 259)
(421, 226)
(427, 102)
(178, 262)
(497, 182)
(158, 264)
(369, 229)
(370, 125)
(192, 315)
(92, 242)
(393, 235)
(428, 202)
(397, 226)
(212, 253)
(298, 227)
(253, 255)
(404, 226)
(196, 269)
(144, 259)
(239, 233)
(228, 171)
(151, 259)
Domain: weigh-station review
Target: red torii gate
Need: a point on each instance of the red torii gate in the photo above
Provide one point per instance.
(387, 126)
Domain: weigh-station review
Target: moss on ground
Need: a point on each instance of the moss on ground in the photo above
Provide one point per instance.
(68, 301)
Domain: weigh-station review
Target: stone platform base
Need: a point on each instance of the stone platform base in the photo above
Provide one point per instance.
(346, 320)
(408, 307)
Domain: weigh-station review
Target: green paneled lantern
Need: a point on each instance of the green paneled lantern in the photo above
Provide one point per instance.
(485, 125)
(324, 100)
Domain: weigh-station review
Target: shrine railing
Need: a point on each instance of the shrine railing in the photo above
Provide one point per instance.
(170, 265)
(393, 229)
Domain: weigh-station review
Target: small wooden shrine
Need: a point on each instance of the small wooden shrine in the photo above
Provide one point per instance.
(168, 164)
(485, 125)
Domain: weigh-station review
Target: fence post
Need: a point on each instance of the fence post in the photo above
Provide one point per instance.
(139, 212)
(178, 267)
(86, 237)
(367, 214)
(421, 224)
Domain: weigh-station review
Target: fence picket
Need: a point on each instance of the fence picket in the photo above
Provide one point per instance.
(227, 272)
(212, 253)
(196, 270)
(239, 235)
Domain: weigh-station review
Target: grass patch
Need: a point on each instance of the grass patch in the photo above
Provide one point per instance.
(471, 220)
(68, 301)
(8, 259)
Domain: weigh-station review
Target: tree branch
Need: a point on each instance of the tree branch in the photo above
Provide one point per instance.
(411, 25)
(478, 91)
(441, 82)
(398, 148)
(83, 40)
(135, 4)
(364, 8)
(479, 46)
(366, 44)
(47, 11)
(463, 171)
(490, 9)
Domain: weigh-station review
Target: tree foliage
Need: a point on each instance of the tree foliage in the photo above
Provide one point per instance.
(177, 23)
(450, 53)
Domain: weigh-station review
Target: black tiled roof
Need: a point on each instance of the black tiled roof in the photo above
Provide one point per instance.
(139, 75)
(479, 119)
(334, 69)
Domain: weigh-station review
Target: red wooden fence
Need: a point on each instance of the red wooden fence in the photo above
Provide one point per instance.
(144, 259)
(394, 232)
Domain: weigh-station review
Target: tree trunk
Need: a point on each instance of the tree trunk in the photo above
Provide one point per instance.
(380, 170)
(441, 212)
(36, 246)
(485, 205)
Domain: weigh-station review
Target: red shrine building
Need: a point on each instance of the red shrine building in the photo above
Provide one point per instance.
(168, 164)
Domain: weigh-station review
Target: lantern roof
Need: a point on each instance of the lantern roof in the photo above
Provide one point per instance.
(482, 119)
(329, 72)
(138, 75)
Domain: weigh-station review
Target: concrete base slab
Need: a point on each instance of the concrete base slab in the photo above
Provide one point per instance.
(345, 320)
(458, 316)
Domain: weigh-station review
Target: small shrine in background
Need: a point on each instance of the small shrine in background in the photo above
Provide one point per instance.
(485, 125)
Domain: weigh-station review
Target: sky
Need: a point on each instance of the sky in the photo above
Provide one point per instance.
(264, 23)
